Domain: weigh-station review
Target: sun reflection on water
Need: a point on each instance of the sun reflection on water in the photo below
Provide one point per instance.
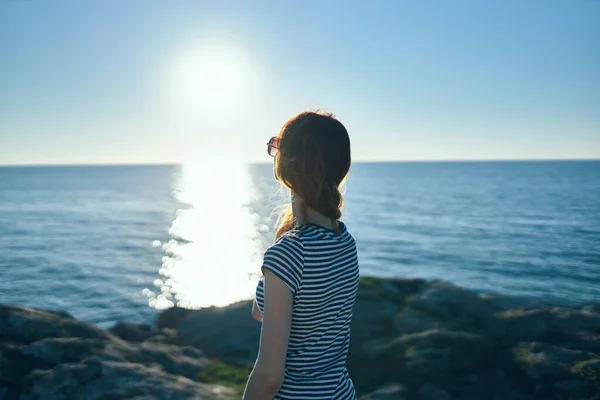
(216, 245)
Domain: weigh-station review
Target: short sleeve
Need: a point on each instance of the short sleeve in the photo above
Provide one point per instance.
(260, 295)
(286, 260)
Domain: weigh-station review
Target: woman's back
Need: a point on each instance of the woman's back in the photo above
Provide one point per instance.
(320, 267)
(306, 297)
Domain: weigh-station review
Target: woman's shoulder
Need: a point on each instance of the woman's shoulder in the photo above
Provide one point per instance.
(289, 240)
(285, 258)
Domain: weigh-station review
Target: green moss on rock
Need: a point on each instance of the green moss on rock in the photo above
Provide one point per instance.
(233, 376)
(589, 370)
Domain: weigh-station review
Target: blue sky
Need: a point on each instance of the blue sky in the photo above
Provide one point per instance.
(167, 81)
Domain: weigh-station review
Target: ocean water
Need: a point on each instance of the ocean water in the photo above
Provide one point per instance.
(109, 243)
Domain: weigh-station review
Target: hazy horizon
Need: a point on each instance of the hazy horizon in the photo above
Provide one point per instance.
(449, 161)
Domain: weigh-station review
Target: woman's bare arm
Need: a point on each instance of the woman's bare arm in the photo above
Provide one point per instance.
(268, 373)
(256, 313)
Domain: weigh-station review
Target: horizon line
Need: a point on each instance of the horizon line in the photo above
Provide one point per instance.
(438, 161)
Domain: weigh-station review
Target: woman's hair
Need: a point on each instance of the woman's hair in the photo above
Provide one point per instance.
(313, 160)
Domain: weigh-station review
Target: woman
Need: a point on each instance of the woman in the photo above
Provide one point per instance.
(310, 281)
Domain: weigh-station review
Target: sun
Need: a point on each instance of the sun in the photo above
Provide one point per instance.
(209, 78)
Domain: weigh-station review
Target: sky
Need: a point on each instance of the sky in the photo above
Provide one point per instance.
(106, 81)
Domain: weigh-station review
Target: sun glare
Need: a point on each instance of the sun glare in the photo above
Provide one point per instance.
(209, 79)
(216, 246)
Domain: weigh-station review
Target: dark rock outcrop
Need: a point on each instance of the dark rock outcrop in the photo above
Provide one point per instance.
(230, 333)
(47, 355)
(469, 346)
(411, 339)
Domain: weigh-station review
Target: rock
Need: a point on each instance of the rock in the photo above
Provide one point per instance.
(591, 308)
(486, 385)
(410, 339)
(165, 335)
(144, 333)
(171, 317)
(541, 361)
(229, 333)
(411, 320)
(378, 303)
(575, 387)
(548, 367)
(60, 313)
(457, 308)
(372, 317)
(569, 320)
(430, 392)
(582, 340)
(188, 361)
(88, 363)
(551, 324)
(47, 353)
(526, 325)
(132, 332)
(588, 369)
(184, 361)
(433, 356)
(394, 391)
(26, 325)
(94, 379)
(392, 289)
(501, 302)
(432, 352)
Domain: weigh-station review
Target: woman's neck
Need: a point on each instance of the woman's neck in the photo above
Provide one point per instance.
(304, 214)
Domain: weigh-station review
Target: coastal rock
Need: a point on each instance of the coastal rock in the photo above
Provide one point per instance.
(589, 371)
(163, 336)
(583, 340)
(553, 325)
(94, 379)
(434, 356)
(491, 383)
(373, 317)
(411, 320)
(411, 340)
(467, 345)
(171, 317)
(47, 353)
(26, 325)
(457, 308)
(575, 387)
(542, 361)
(590, 367)
(95, 364)
(501, 303)
(186, 361)
(435, 351)
(229, 333)
(392, 391)
(591, 308)
(378, 302)
(430, 392)
(133, 332)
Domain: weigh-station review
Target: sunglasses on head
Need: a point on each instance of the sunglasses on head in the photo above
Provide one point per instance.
(273, 146)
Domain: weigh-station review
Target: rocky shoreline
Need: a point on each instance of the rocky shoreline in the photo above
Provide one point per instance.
(411, 339)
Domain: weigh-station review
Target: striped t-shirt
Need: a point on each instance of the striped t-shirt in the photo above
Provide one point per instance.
(320, 267)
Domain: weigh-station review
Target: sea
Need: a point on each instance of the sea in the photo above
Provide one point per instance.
(118, 243)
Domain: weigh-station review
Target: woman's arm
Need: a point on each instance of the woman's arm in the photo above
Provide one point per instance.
(256, 313)
(268, 373)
